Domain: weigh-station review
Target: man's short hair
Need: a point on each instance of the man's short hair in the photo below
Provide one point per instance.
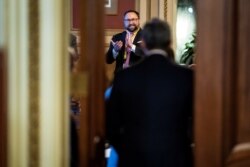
(156, 34)
(131, 11)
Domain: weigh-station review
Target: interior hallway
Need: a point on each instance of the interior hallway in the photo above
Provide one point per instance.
(35, 85)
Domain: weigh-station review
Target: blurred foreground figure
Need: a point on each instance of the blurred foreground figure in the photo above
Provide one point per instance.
(150, 106)
(74, 106)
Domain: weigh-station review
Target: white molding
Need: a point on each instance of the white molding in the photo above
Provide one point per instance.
(54, 87)
(2, 22)
(18, 86)
(143, 10)
(161, 9)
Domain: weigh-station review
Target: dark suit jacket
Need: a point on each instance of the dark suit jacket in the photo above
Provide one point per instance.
(147, 115)
(134, 57)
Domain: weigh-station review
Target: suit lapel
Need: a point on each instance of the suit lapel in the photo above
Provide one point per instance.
(124, 36)
(137, 37)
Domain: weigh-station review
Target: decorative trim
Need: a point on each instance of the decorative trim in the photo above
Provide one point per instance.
(33, 84)
(165, 9)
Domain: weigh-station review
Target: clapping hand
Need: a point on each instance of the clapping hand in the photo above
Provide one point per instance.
(117, 45)
(129, 40)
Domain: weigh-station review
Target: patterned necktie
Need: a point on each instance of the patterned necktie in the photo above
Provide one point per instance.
(129, 37)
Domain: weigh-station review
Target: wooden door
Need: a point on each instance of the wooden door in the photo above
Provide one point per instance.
(222, 104)
(92, 67)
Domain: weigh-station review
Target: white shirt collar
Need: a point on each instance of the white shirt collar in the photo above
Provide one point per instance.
(155, 51)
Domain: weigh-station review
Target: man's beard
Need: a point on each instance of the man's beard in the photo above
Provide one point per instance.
(132, 29)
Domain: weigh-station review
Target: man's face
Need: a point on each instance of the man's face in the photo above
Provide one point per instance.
(131, 22)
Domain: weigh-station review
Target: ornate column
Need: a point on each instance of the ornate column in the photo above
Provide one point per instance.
(18, 85)
(38, 82)
(53, 83)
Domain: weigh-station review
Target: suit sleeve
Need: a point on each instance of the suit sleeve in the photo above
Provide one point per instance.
(109, 55)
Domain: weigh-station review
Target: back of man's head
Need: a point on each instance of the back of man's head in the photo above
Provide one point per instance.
(156, 34)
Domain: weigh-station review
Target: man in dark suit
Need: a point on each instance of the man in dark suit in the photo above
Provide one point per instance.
(125, 46)
(150, 106)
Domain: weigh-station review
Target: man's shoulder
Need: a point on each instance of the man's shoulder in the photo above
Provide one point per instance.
(184, 70)
(119, 35)
(139, 31)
